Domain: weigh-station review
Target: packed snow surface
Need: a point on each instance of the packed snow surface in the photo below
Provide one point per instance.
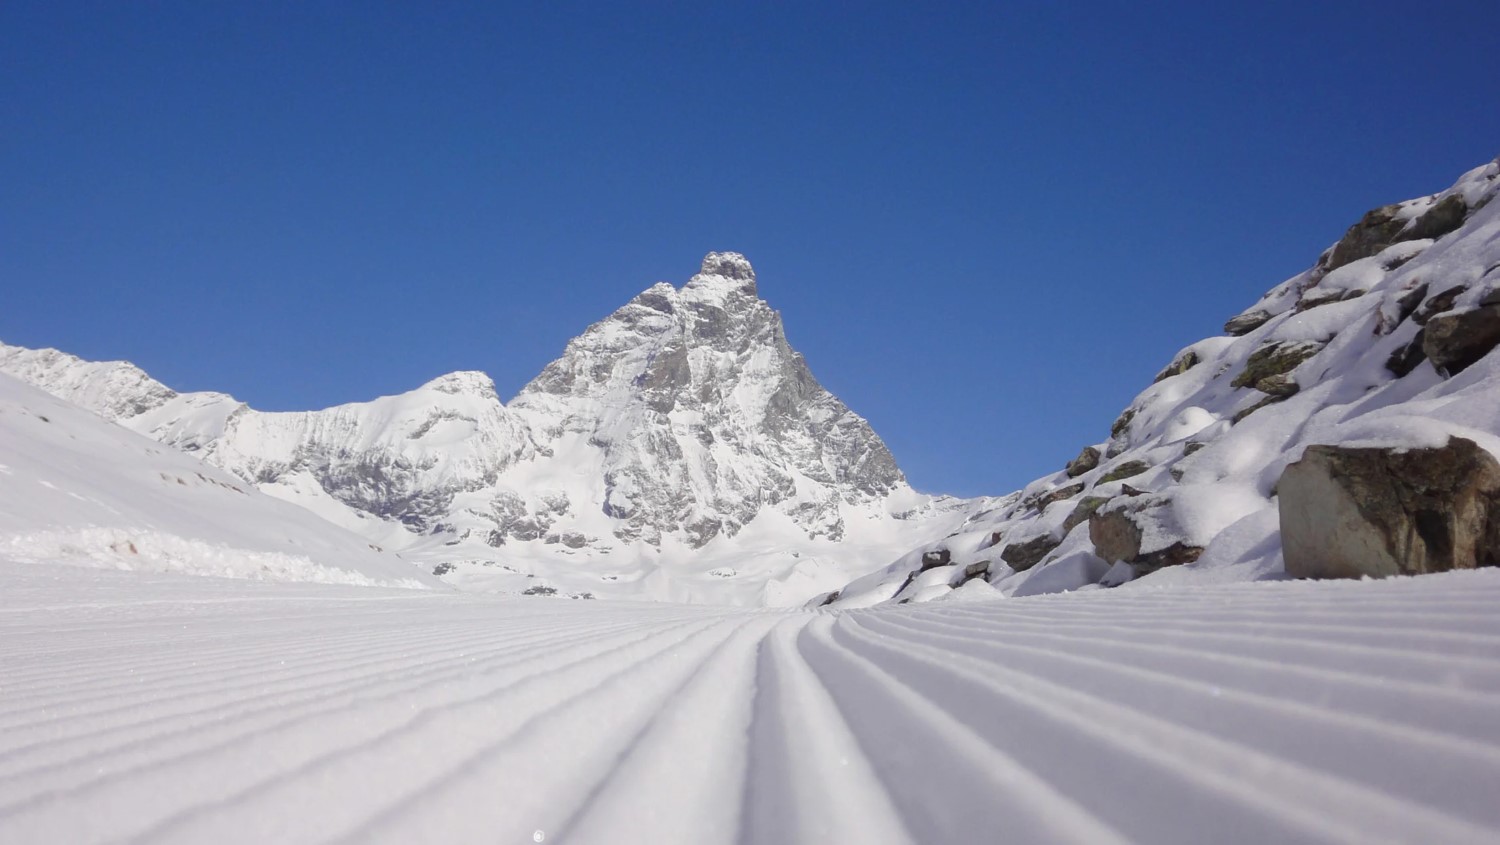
(160, 708)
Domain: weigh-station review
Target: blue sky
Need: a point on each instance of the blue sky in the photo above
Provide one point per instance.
(986, 225)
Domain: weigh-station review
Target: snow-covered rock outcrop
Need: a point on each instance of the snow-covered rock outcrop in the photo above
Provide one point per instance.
(1386, 341)
(679, 448)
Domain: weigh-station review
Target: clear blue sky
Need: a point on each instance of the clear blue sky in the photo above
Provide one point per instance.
(986, 225)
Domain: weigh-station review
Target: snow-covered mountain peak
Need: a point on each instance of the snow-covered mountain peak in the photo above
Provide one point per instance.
(727, 271)
(115, 390)
(677, 435)
(465, 382)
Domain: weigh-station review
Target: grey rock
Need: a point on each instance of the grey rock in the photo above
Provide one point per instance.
(1454, 341)
(1024, 555)
(1276, 358)
(1087, 460)
(1085, 508)
(1057, 495)
(1382, 227)
(1181, 364)
(1437, 304)
(1243, 324)
(1128, 469)
(1349, 512)
(1121, 425)
(1408, 356)
(979, 569)
(935, 558)
(1247, 411)
(1117, 536)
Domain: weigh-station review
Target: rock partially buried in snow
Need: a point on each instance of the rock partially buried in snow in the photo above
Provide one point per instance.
(1087, 460)
(1119, 534)
(1454, 341)
(1347, 512)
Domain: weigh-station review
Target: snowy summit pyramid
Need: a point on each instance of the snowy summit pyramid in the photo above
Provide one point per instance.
(677, 435)
(705, 415)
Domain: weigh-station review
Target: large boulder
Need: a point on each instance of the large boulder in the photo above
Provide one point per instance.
(1021, 556)
(1347, 512)
(1119, 535)
(1455, 340)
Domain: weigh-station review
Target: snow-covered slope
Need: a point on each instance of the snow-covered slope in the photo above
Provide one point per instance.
(679, 449)
(1350, 712)
(77, 489)
(1186, 481)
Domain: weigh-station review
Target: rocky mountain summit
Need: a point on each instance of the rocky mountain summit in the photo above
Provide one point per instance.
(679, 448)
(1346, 424)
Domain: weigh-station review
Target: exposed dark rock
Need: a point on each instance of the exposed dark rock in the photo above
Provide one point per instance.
(1122, 424)
(1128, 469)
(1086, 460)
(1442, 218)
(936, 558)
(1193, 446)
(1378, 229)
(1041, 502)
(1086, 507)
(1318, 296)
(1269, 400)
(1381, 228)
(1023, 556)
(1243, 324)
(1274, 359)
(968, 573)
(1181, 364)
(1281, 385)
(1349, 512)
(1117, 537)
(1437, 304)
(1407, 304)
(1454, 341)
(1408, 357)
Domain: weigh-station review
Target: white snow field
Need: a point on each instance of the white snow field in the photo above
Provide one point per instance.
(157, 707)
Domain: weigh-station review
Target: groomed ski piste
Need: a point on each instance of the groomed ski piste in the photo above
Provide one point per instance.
(159, 707)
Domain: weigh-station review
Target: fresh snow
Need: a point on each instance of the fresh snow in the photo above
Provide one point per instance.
(159, 708)
(77, 489)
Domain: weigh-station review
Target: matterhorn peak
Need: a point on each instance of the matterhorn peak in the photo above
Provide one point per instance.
(731, 266)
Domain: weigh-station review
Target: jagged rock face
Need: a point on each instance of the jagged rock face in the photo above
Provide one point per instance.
(705, 414)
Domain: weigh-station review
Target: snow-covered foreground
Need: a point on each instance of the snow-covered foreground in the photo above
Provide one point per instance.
(164, 708)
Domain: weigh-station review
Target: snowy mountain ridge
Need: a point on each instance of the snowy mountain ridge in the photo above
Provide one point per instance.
(679, 448)
(76, 489)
